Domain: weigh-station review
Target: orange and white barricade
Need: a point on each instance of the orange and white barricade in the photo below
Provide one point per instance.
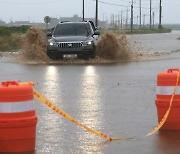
(17, 117)
(166, 82)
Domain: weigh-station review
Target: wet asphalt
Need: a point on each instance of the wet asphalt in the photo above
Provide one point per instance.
(116, 99)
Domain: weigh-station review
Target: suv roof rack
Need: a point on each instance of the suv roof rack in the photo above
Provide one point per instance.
(77, 21)
(64, 21)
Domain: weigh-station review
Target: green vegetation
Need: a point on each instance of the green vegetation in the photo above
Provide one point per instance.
(178, 38)
(136, 31)
(172, 26)
(11, 38)
(115, 31)
(11, 42)
(148, 31)
(5, 31)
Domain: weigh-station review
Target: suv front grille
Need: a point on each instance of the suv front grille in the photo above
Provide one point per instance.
(69, 44)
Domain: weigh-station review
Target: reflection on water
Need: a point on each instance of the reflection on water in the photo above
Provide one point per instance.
(89, 97)
(52, 124)
(51, 79)
(90, 106)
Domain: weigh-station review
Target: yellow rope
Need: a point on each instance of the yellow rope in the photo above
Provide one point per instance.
(55, 108)
(51, 105)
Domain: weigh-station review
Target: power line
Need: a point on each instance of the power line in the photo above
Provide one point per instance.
(113, 4)
(119, 5)
(151, 9)
(19, 3)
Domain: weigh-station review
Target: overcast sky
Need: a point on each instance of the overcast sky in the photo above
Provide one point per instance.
(35, 10)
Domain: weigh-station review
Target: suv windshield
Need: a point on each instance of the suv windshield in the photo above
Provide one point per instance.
(71, 29)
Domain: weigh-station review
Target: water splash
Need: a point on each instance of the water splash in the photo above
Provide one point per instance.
(113, 47)
(34, 47)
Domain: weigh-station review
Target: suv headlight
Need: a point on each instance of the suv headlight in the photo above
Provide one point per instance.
(88, 42)
(52, 43)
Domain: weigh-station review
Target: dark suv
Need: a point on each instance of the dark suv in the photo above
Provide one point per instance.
(73, 39)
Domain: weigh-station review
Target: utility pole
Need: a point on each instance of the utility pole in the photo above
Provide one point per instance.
(140, 14)
(83, 10)
(121, 20)
(113, 20)
(144, 20)
(137, 20)
(132, 16)
(118, 21)
(127, 18)
(160, 14)
(96, 13)
(104, 17)
(153, 19)
(104, 21)
(150, 13)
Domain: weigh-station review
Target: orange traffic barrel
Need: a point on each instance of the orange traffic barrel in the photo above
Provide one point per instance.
(166, 82)
(17, 117)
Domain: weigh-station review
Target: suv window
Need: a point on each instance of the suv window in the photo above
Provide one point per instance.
(92, 25)
(71, 29)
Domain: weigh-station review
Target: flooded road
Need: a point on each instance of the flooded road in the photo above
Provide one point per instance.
(156, 42)
(116, 99)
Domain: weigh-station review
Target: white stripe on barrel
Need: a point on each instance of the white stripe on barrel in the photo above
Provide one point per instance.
(167, 90)
(9, 107)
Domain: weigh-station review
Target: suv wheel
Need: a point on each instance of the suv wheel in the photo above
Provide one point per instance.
(93, 55)
(53, 56)
(86, 57)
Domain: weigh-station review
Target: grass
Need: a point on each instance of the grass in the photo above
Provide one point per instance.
(148, 31)
(4, 31)
(11, 38)
(172, 26)
(136, 31)
(11, 42)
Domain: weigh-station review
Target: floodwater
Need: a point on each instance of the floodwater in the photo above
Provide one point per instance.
(116, 99)
(164, 42)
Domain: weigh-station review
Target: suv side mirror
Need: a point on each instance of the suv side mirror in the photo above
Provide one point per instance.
(49, 34)
(96, 33)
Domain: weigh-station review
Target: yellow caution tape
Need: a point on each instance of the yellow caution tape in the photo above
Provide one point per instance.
(28, 83)
(55, 108)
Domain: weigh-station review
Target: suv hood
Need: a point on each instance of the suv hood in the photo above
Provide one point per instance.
(70, 38)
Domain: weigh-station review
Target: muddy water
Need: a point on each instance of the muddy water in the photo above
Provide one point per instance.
(115, 99)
